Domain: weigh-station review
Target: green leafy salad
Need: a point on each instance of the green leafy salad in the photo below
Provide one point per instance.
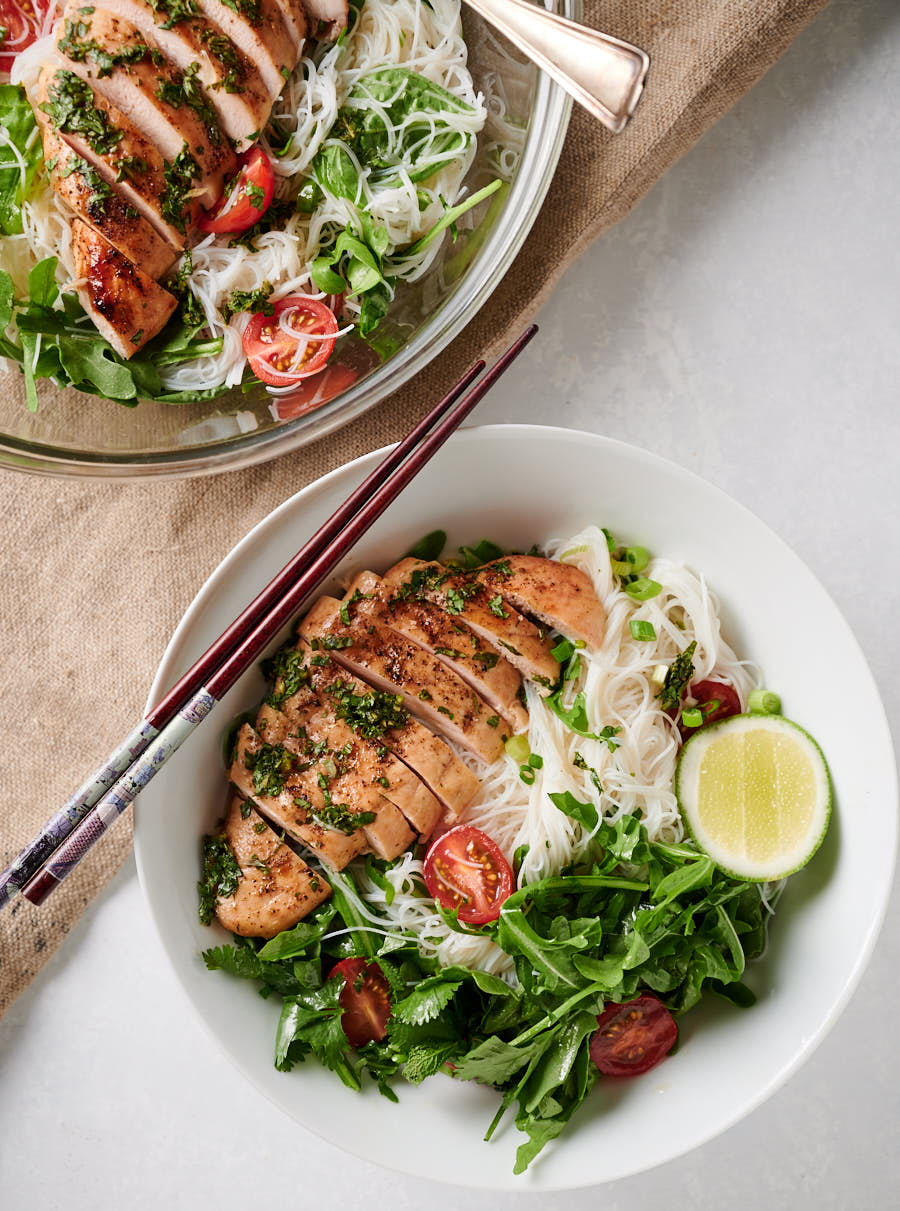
(553, 934)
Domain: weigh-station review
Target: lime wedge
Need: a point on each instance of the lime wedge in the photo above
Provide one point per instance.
(755, 794)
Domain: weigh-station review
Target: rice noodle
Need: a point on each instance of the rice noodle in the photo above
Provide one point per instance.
(636, 776)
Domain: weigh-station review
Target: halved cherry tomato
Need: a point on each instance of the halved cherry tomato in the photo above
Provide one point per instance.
(294, 342)
(22, 20)
(315, 391)
(365, 999)
(714, 699)
(633, 1037)
(246, 198)
(465, 869)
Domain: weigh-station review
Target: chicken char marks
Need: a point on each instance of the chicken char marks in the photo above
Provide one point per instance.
(142, 108)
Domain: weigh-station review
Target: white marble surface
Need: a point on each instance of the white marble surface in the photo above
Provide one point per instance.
(744, 322)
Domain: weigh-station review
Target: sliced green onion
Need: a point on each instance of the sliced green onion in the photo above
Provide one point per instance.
(572, 551)
(536, 761)
(620, 567)
(563, 650)
(527, 774)
(610, 541)
(518, 748)
(659, 674)
(640, 629)
(692, 717)
(764, 702)
(643, 589)
(638, 558)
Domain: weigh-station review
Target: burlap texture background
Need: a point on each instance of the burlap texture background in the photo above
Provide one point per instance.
(96, 576)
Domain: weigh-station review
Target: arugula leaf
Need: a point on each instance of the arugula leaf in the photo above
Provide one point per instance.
(449, 217)
(18, 130)
(429, 547)
(292, 942)
(584, 814)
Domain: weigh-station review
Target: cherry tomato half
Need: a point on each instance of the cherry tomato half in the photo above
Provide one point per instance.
(365, 999)
(632, 1038)
(246, 198)
(294, 342)
(315, 391)
(22, 20)
(714, 699)
(465, 869)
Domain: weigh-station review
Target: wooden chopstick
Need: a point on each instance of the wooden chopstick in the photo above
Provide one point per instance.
(194, 708)
(62, 823)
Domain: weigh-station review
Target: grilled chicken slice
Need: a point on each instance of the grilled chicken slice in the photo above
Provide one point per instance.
(169, 108)
(82, 189)
(116, 149)
(481, 666)
(374, 761)
(520, 641)
(375, 716)
(558, 595)
(293, 16)
(285, 799)
(230, 80)
(127, 307)
(277, 889)
(338, 769)
(257, 29)
(391, 663)
(327, 18)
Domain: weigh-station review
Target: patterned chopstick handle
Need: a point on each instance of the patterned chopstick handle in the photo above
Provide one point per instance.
(60, 826)
(64, 860)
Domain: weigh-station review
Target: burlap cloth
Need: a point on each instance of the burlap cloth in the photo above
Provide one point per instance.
(86, 612)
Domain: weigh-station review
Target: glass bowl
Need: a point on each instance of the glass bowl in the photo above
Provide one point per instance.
(74, 434)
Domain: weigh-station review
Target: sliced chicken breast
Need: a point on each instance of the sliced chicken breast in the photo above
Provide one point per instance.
(391, 663)
(117, 150)
(277, 889)
(286, 804)
(363, 709)
(470, 603)
(337, 769)
(169, 108)
(327, 18)
(258, 30)
(293, 16)
(480, 665)
(126, 305)
(230, 80)
(558, 595)
(373, 761)
(82, 189)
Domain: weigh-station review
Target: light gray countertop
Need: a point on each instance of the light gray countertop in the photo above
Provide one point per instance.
(744, 322)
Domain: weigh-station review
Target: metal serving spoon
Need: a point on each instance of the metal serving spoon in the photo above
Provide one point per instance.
(602, 73)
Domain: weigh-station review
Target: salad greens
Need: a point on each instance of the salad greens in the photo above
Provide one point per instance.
(366, 129)
(60, 343)
(18, 134)
(639, 915)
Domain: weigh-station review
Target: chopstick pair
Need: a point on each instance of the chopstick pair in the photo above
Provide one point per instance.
(78, 825)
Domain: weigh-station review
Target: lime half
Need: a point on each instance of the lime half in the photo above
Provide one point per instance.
(755, 794)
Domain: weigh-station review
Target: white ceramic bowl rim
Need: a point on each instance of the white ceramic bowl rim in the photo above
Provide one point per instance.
(466, 446)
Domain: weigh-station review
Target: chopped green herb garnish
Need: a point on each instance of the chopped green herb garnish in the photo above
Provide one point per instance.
(270, 765)
(219, 877)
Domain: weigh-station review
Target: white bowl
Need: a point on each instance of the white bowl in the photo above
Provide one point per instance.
(519, 485)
